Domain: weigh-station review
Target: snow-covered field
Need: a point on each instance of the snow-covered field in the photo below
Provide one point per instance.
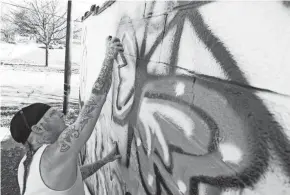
(34, 54)
(20, 87)
(23, 85)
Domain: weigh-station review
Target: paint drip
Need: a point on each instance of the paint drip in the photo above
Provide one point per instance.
(121, 60)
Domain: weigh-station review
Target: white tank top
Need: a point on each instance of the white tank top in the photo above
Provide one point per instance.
(35, 184)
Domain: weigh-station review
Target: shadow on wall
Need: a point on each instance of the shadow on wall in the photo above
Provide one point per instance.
(180, 132)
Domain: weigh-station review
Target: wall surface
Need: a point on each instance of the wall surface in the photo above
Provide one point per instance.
(203, 105)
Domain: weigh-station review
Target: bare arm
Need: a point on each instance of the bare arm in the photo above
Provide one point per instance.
(73, 138)
(88, 170)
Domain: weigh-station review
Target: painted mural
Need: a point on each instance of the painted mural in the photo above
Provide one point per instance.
(202, 108)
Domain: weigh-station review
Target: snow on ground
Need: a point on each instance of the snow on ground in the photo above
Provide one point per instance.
(13, 51)
(19, 88)
(23, 85)
(34, 54)
(27, 87)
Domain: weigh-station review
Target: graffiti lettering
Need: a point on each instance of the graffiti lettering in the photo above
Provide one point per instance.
(193, 128)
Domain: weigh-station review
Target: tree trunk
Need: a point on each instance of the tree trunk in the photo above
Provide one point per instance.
(46, 55)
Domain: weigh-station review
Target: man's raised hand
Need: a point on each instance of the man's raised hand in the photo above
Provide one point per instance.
(114, 46)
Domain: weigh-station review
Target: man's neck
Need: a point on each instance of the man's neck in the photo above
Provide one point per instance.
(36, 146)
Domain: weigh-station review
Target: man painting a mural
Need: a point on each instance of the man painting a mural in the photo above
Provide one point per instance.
(50, 165)
(199, 106)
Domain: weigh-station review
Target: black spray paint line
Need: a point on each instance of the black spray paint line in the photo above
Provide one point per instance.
(129, 144)
(159, 179)
(227, 62)
(192, 5)
(176, 41)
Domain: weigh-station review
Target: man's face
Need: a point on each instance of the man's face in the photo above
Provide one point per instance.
(56, 121)
(53, 123)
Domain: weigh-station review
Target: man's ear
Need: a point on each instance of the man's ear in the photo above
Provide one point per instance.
(37, 129)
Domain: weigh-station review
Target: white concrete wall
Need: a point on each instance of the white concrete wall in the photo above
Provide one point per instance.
(203, 106)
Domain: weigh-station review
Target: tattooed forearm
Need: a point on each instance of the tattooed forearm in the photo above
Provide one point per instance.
(73, 132)
(103, 83)
(74, 137)
(87, 112)
(90, 169)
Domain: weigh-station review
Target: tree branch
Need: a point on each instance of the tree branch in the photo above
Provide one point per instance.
(41, 21)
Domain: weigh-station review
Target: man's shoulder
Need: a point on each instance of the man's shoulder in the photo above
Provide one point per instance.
(55, 173)
(50, 158)
(53, 153)
(47, 154)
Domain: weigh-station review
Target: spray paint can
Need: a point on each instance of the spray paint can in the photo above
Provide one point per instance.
(121, 60)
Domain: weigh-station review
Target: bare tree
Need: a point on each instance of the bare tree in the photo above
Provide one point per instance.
(7, 30)
(42, 19)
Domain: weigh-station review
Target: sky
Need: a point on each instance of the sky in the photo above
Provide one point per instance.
(79, 7)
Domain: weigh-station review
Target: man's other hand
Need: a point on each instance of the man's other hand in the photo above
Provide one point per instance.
(114, 154)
